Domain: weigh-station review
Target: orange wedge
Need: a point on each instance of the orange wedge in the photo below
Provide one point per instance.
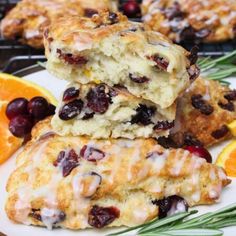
(232, 127)
(13, 87)
(9, 144)
(227, 159)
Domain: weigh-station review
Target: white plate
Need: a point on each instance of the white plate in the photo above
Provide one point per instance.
(10, 229)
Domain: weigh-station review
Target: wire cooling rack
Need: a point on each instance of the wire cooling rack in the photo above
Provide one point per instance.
(14, 56)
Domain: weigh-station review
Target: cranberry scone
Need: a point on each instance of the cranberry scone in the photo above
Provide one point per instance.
(76, 182)
(108, 48)
(100, 111)
(203, 113)
(188, 20)
(28, 19)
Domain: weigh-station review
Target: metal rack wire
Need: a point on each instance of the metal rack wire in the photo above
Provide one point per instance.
(14, 56)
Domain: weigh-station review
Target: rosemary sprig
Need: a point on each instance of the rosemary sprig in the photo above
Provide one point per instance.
(218, 69)
(181, 224)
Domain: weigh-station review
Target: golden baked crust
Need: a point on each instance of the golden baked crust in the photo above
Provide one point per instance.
(28, 19)
(125, 174)
(208, 128)
(110, 112)
(186, 20)
(108, 48)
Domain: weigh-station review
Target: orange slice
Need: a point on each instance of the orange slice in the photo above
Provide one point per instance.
(13, 87)
(227, 159)
(232, 127)
(9, 144)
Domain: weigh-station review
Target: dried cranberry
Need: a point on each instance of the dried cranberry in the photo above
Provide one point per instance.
(113, 18)
(98, 100)
(194, 72)
(101, 216)
(174, 11)
(88, 116)
(70, 93)
(193, 55)
(171, 205)
(187, 34)
(143, 115)
(231, 96)
(220, 133)
(91, 154)
(167, 142)
(35, 213)
(190, 140)
(227, 106)
(71, 109)
(89, 12)
(200, 151)
(140, 80)
(72, 59)
(67, 161)
(203, 33)
(161, 63)
(200, 104)
(164, 125)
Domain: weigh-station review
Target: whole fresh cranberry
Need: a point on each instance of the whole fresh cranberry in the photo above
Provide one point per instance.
(38, 107)
(200, 151)
(131, 9)
(20, 126)
(17, 107)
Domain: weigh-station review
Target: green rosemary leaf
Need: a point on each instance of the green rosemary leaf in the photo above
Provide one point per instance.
(195, 232)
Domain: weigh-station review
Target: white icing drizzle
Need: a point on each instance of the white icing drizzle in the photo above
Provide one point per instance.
(212, 174)
(134, 159)
(180, 207)
(159, 160)
(207, 95)
(49, 217)
(116, 163)
(23, 205)
(179, 164)
(196, 196)
(140, 215)
(222, 174)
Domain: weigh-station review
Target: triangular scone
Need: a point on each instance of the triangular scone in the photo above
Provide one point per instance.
(203, 113)
(108, 48)
(76, 182)
(101, 111)
(28, 19)
(208, 21)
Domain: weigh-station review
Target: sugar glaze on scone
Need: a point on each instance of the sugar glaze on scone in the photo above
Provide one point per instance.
(100, 111)
(66, 181)
(28, 19)
(204, 111)
(188, 20)
(108, 48)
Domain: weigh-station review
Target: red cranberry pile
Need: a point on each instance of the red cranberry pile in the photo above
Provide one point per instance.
(24, 114)
(131, 9)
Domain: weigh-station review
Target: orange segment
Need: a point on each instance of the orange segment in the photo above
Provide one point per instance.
(227, 159)
(13, 87)
(232, 127)
(9, 144)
